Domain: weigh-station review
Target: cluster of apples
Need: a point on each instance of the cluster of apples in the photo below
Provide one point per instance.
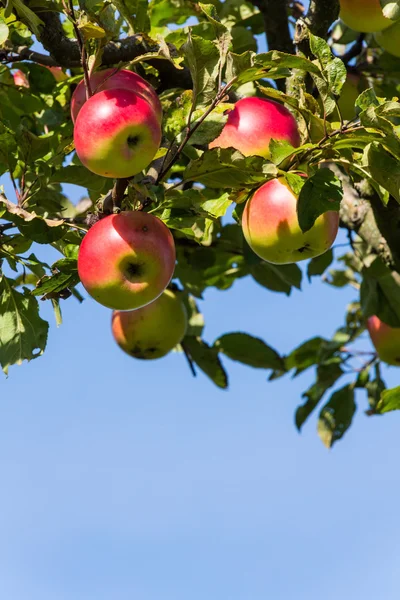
(367, 16)
(127, 260)
(269, 221)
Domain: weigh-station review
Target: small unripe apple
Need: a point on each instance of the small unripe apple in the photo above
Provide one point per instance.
(111, 79)
(20, 79)
(271, 228)
(151, 331)
(253, 123)
(363, 15)
(117, 133)
(389, 39)
(127, 260)
(386, 340)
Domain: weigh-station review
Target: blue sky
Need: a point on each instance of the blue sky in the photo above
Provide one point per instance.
(127, 479)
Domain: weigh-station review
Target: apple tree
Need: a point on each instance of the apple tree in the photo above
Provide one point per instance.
(203, 60)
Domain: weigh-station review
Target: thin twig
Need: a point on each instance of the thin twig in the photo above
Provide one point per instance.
(190, 130)
(82, 49)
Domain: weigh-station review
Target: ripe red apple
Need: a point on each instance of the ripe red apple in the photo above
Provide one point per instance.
(112, 79)
(271, 227)
(386, 340)
(117, 133)
(20, 79)
(389, 39)
(363, 15)
(253, 123)
(151, 331)
(127, 260)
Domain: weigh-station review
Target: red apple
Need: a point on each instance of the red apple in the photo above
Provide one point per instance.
(253, 123)
(363, 15)
(111, 79)
(117, 133)
(127, 260)
(386, 340)
(20, 79)
(151, 331)
(271, 227)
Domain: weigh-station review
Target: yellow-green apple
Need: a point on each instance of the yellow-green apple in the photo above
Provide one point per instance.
(117, 133)
(20, 79)
(151, 331)
(389, 39)
(271, 228)
(386, 340)
(363, 15)
(253, 123)
(110, 79)
(348, 96)
(126, 260)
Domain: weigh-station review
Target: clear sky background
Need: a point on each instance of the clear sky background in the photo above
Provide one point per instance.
(126, 479)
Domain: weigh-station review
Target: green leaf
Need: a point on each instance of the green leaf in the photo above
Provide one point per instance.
(327, 375)
(336, 416)
(206, 359)
(3, 31)
(280, 150)
(384, 168)
(319, 264)
(228, 168)
(380, 293)
(249, 350)
(389, 400)
(65, 276)
(391, 9)
(321, 193)
(278, 278)
(221, 32)
(202, 58)
(195, 318)
(305, 355)
(27, 16)
(32, 226)
(23, 333)
(79, 176)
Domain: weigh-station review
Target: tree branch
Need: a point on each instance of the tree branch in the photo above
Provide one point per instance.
(65, 52)
(320, 16)
(377, 225)
(276, 24)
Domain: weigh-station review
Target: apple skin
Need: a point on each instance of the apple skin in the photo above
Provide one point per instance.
(272, 231)
(389, 39)
(20, 79)
(127, 260)
(117, 133)
(363, 15)
(152, 331)
(348, 96)
(386, 340)
(111, 79)
(253, 123)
